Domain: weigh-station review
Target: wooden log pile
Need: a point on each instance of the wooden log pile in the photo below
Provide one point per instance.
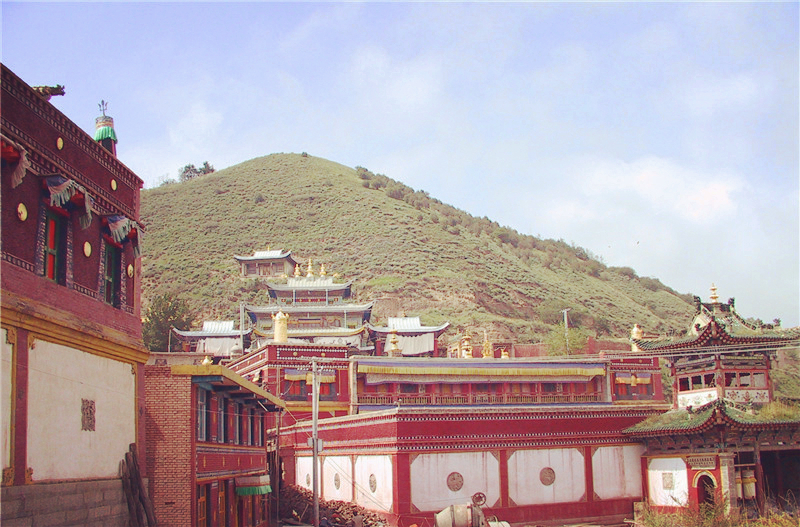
(297, 503)
(140, 508)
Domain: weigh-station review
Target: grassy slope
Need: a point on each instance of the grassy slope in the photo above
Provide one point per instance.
(431, 260)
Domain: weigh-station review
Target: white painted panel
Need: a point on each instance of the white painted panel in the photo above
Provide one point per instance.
(59, 379)
(617, 471)
(668, 482)
(332, 467)
(374, 487)
(697, 397)
(479, 472)
(5, 397)
(303, 472)
(525, 467)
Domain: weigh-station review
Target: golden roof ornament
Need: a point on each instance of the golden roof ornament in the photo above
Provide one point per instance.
(504, 354)
(297, 270)
(322, 271)
(636, 332)
(207, 361)
(309, 271)
(714, 296)
(394, 350)
(466, 346)
(487, 347)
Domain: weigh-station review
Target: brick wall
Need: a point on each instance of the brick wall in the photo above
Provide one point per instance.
(169, 429)
(96, 503)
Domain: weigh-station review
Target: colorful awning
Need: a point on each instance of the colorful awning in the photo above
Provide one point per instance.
(253, 485)
(123, 230)
(68, 194)
(15, 154)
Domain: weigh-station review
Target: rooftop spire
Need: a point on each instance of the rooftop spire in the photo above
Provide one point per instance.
(714, 296)
(104, 129)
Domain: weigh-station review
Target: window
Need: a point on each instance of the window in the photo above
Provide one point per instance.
(55, 234)
(111, 274)
(203, 415)
(237, 424)
(222, 428)
(203, 519)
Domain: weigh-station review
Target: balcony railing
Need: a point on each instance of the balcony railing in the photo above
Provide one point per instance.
(474, 399)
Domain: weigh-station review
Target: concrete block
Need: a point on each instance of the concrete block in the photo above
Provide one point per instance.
(77, 516)
(71, 501)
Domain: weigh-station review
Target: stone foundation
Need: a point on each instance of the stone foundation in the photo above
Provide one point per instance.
(96, 503)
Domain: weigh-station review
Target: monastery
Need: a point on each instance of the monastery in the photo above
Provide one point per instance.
(97, 431)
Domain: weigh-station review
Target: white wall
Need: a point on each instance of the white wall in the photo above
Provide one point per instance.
(380, 468)
(331, 467)
(59, 378)
(617, 471)
(304, 475)
(524, 483)
(664, 472)
(5, 397)
(480, 472)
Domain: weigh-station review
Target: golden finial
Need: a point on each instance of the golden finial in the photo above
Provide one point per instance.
(466, 348)
(322, 271)
(297, 270)
(487, 353)
(207, 361)
(714, 297)
(309, 271)
(393, 350)
(504, 354)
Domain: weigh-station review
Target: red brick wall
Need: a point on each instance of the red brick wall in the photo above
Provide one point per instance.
(170, 433)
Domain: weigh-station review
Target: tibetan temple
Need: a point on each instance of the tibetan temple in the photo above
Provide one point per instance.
(538, 439)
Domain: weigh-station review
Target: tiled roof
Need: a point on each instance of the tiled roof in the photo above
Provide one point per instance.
(685, 420)
(264, 255)
(716, 334)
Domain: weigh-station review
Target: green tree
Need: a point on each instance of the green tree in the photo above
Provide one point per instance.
(165, 312)
(556, 341)
(190, 171)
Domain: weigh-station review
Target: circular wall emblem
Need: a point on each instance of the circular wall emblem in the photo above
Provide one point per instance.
(87, 249)
(455, 481)
(373, 483)
(22, 212)
(337, 482)
(308, 480)
(547, 476)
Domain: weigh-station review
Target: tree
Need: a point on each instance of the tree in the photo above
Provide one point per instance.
(165, 312)
(190, 171)
(556, 341)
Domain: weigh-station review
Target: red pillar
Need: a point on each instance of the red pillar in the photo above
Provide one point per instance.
(588, 473)
(20, 445)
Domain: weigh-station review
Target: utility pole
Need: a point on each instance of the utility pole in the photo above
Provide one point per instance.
(315, 436)
(566, 327)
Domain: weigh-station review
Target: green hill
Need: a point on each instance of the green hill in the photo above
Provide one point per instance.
(403, 248)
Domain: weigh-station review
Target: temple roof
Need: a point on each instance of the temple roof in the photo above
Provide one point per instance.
(718, 334)
(265, 255)
(408, 326)
(718, 412)
(316, 332)
(313, 283)
(311, 308)
(483, 367)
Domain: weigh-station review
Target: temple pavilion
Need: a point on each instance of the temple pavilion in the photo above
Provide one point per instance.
(726, 436)
(319, 311)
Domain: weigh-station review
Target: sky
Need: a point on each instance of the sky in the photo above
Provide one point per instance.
(658, 136)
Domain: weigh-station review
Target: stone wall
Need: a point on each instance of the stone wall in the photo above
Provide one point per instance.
(96, 503)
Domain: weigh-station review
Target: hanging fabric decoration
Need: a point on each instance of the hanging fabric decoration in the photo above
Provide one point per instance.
(123, 230)
(14, 152)
(67, 194)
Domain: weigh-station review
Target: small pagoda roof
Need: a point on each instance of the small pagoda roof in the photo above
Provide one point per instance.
(213, 328)
(316, 332)
(275, 254)
(718, 412)
(312, 283)
(408, 326)
(717, 334)
(311, 308)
